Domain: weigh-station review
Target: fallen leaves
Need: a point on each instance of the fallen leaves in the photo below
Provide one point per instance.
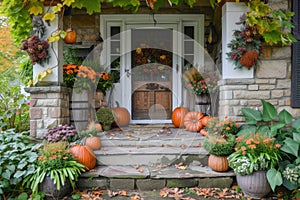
(181, 166)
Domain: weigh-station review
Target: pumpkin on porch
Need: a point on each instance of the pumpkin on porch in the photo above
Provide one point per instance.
(192, 121)
(121, 115)
(84, 155)
(218, 163)
(178, 116)
(71, 36)
(93, 142)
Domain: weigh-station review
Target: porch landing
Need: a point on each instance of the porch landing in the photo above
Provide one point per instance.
(151, 157)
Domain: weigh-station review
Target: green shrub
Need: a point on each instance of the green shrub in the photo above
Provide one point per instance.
(14, 107)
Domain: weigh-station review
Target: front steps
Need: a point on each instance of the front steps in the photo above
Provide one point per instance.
(151, 158)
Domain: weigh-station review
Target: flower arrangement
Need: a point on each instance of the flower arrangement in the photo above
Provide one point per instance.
(199, 85)
(254, 152)
(36, 49)
(55, 161)
(84, 77)
(224, 127)
(245, 47)
(62, 133)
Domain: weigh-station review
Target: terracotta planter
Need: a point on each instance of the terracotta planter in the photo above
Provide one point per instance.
(50, 191)
(218, 163)
(254, 185)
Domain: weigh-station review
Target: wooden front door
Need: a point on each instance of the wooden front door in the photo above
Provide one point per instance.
(151, 73)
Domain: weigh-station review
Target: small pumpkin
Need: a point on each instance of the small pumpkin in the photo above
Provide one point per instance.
(84, 155)
(192, 121)
(71, 36)
(218, 163)
(122, 116)
(178, 116)
(205, 119)
(203, 132)
(93, 142)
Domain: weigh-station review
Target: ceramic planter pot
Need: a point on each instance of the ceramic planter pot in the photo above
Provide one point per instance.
(218, 163)
(254, 185)
(50, 190)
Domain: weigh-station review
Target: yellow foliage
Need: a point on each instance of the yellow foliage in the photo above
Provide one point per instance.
(49, 16)
(36, 8)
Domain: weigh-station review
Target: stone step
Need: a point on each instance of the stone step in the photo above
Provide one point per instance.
(154, 177)
(150, 155)
(149, 137)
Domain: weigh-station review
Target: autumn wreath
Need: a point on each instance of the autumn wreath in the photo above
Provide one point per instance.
(245, 47)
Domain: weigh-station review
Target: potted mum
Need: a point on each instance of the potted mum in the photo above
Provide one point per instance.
(56, 171)
(254, 155)
(220, 142)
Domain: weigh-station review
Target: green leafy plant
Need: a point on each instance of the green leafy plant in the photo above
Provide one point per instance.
(55, 161)
(286, 131)
(17, 161)
(273, 25)
(219, 144)
(105, 117)
(14, 107)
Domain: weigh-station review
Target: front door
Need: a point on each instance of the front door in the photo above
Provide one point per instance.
(152, 73)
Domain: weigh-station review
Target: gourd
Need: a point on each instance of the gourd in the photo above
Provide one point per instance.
(203, 132)
(204, 120)
(84, 155)
(121, 115)
(178, 116)
(218, 163)
(192, 121)
(70, 37)
(93, 142)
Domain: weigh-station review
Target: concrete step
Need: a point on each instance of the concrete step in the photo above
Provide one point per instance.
(155, 177)
(149, 137)
(150, 155)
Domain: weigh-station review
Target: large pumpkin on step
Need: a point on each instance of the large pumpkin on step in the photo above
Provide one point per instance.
(84, 155)
(178, 116)
(122, 116)
(70, 37)
(192, 121)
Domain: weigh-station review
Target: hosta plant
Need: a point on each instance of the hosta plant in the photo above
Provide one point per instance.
(17, 161)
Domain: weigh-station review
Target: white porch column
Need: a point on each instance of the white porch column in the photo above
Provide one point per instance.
(56, 57)
(231, 13)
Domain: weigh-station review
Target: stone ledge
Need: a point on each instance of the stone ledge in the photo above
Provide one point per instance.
(49, 89)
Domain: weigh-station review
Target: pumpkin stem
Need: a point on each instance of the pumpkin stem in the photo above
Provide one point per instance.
(118, 104)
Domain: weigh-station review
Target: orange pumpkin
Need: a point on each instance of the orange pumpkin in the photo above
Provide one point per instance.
(84, 155)
(192, 121)
(93, 142)
(218, 163)
(203, 132)
(70, 36)
(178, 116)
(122, 116)
(98, 126)
(204, 120)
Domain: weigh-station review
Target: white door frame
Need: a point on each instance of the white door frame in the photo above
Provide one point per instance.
(122, 91)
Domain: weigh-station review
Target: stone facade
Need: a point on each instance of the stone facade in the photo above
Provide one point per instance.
(271, 82)
(49, 107)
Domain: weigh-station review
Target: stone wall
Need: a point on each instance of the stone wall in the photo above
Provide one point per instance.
(271, 82)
